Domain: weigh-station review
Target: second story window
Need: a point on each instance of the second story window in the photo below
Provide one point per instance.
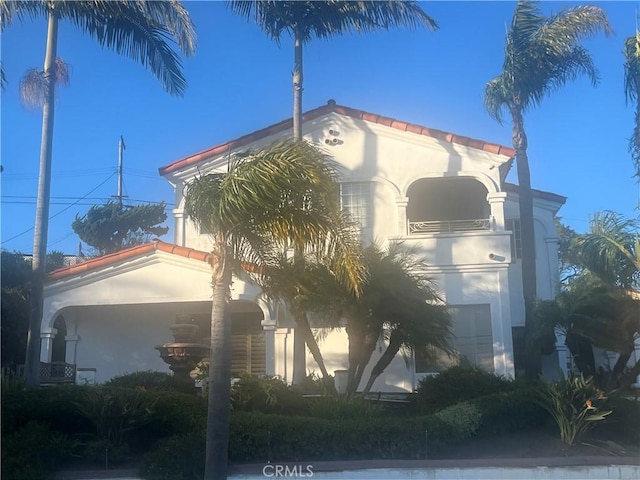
(355, 198)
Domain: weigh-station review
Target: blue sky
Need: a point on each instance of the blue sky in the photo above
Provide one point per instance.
(239, 81)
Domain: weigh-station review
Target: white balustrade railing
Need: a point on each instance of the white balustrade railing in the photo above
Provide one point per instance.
(449, 226)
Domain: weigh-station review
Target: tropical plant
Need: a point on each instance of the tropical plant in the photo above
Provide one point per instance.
(541, 55)
(111, 227)
(268, 200)
(575, 405)
(611, 249)
(397, 305)
(304, 20)
(632, 92)
(138, 30)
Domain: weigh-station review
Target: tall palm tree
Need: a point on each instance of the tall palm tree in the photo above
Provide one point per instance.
(632, 92)
(136, 29)
(268, 200)
(304, 20)
(541, 55)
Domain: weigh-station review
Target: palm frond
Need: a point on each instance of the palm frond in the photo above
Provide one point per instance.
(326, 19)
(610, 249)
(632, 92)
(542, 54)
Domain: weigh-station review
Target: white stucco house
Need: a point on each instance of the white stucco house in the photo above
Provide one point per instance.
(442, 192)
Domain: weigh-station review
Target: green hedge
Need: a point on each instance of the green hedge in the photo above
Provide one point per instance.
(258, 437)
(509, 412)
(454, 385)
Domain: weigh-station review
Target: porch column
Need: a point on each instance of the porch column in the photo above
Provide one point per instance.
(283, 353)
(496, 204)
(46, 343)
(564, 356)
(401, 208)
(70, 352)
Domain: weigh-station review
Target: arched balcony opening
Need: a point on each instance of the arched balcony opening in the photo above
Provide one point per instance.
(449, 204)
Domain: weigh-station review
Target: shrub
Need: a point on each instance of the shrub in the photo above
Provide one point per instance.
(33, 452)
(258, 437)
(344, 408)
(53, 406)
(462, 419)
(265, 394)
(150, 380)
(573, 403)
(180, 457)
(509, 411)
(454, 385)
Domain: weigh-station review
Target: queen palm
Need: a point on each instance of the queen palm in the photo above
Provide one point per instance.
(541, 55)
(304, 20)
(632, 91)
(135, 29)
(281, 196)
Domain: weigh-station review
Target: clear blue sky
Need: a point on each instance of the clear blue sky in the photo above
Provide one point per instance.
(239, 81)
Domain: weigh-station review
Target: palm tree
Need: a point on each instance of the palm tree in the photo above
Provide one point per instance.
(395, 303)
(283, 195)
(632, 91)
(611, 250)
(541, 55)
(138, 30)
(304, 20)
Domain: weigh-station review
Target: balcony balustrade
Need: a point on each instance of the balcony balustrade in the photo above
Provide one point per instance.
(449, 226)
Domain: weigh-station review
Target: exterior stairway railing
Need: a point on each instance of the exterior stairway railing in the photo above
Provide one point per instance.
(449, 226)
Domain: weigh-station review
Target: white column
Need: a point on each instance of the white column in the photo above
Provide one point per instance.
(496, 203)
(564, 356)
(401, 208)
(71, 347)
(283, 353)
(179, 228)
(501, 327)
(46, 343)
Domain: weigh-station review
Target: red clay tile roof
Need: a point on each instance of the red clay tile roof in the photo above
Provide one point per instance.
(341, 110)
(554, 197)
(129, 253)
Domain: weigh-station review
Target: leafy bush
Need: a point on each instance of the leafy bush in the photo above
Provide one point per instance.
(509, 411)
(454, 385)
(344, 408)
(150, 380)
(574, 405)
(265, 394)
(53, 406)
(33, 452)
(622, 425)
(258, 437)
(180, 457)
(114, 412)
(462, 419)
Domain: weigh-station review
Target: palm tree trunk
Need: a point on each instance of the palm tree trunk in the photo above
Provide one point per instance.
(395, 342)
(302, 323)
(218, 415)
(297, 85)
(525, 196)
(41, 227)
